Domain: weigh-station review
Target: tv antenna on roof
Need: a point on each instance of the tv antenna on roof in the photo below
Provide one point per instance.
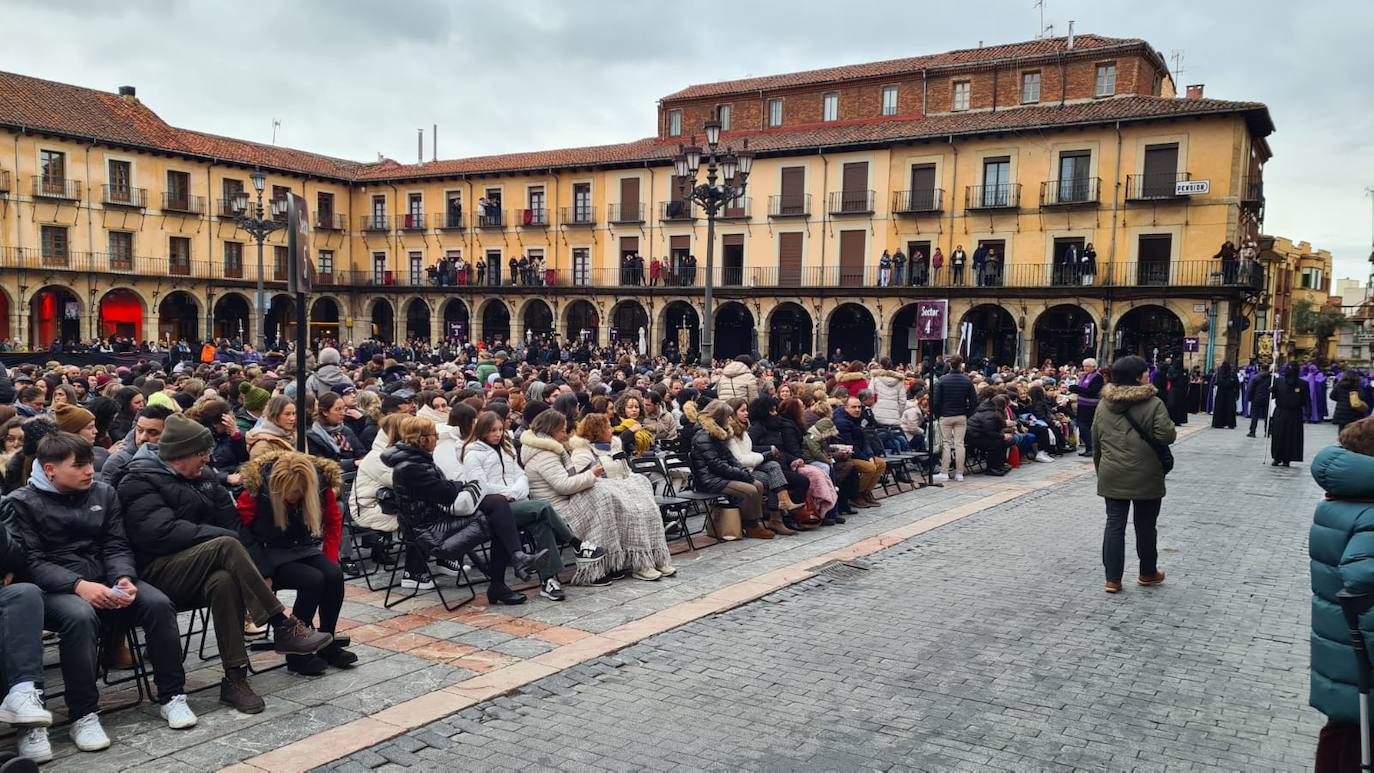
(1176, 56)
(1043, 31)
(276, 124)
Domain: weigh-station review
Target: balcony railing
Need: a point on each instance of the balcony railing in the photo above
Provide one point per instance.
(1154, 187)
(178, 266)
(1071, 192)
(451, 220)
(329, 221)
(229, 209)
(56, 188)
(918, 201)
(790, 206)
(1002, 196)
(625, 213)
(4, 181)
(495, 218)
(582, 215)
(183, 203)
(851, 202)
(532, 218)
(374, 223)
(677, 211)
(410, 221)
(123, 196)
(1252, 191)
(736, 209)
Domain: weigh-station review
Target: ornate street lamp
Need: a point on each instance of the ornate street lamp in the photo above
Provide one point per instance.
(258, 227)
(731, 168)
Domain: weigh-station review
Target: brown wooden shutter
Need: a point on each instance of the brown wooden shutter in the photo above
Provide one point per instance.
(1160, 170)
(793, 190)
(676, 243)
(789, 259)
(629, 244)
(852, 258)
(923, 187)
(732, 240)
(629, 199)
(854, 181)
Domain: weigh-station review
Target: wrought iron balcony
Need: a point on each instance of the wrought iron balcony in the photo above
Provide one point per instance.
(1071, 192)
(677, 211)
(916, 202)
(56, 188)
(1003, 196)
(737, 209)
(1154, 187)
(231, 209)
(451, 220)
(329, 221)
(1252, 192)
(851, 203)
(124, 196)
(582, 215)
(790, 206)
(532, 218)
(410, 221)
(374, 223)
(495, 218)
(184, 203)
(625, 213)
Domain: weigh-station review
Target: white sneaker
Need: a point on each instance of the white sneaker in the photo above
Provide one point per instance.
(88, 735)
(940, 477)
(959, 477)
(33, 744)
(647, 575)
(1043, 457)
(667, 570)
(178, 713)
(24, 708)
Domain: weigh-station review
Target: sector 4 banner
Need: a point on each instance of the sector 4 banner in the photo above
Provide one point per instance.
(931, 318)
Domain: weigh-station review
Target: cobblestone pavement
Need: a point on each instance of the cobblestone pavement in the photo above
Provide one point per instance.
(984, 644)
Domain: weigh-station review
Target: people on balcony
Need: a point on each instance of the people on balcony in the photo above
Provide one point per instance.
(884, 269)
(1229, 257)
(920, 269)
(898, 267)
(957, 259)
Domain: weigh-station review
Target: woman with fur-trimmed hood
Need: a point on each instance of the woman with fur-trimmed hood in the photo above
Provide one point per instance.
(852, 379)
(292, 525)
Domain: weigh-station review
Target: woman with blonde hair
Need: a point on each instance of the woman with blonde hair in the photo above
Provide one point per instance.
(289, 501)
(617, 514)
(634, 438)
(275, 429)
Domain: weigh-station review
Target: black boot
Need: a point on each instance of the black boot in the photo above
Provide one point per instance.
(500, 594)
(524, 564)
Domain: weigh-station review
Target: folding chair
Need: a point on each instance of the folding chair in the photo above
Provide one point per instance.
(672, 509)
(407, 541)
(699, 502)
(896, 462)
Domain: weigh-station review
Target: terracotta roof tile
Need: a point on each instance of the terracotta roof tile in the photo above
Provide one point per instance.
(271, 156)
(900, 66)
(639, 150)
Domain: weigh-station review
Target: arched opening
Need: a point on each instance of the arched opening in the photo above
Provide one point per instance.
(734, 334)
(231, 315)
(121, 315)
(789, 332)
(681, 328)
(1064, 334)
(852, 331)
(1152, 332)
(538, 319)
(496, 322)
(582, 321)
(456, 320)
(280, 324)
(178, 317)
(905, 344)
(628, 319)
(54, 315)
(417, 320)
(324, 321)
(383, 321)
(990, 335)
(4, 315)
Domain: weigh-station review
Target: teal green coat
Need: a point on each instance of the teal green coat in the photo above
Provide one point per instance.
(1341, 546)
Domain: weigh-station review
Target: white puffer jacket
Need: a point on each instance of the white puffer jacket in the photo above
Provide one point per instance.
(584, 453)
(546, 463)
(737, 380)
(373, 475)
(446, 452)
(498, 471)
(742, 448)
(889, 389)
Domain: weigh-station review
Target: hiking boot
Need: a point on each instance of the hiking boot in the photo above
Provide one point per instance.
(1155, 579)
(337, 656)
(235, 692)
(757, 530)
(292, 637)
(779, 528)
(1113, 587)
(667, 570)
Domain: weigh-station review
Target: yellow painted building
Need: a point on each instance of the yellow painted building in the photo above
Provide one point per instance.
(114, 223)
(1297, 273)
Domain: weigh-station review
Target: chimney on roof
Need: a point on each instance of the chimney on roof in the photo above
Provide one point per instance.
(1195, 90)
(1070, 41)
(434, 142)
(419, 146)
(128, 93)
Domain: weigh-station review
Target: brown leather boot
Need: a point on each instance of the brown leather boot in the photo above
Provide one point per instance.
(776, 525)
(757, 530)
(785, 502)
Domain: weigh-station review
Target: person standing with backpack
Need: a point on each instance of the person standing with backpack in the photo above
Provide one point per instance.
(1130, 426)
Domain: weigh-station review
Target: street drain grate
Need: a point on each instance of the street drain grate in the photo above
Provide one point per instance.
(844, 570)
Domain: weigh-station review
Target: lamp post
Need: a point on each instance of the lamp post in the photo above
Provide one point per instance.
(732, 169)
(258, 227)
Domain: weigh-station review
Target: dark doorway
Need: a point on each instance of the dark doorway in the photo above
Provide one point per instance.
(324, 320)
(852, 329)
(538, 319)
(992, 338)
(682, 327)
(1152, 254)
(178, 318)
(232, 317)
(994, 262)
(732, 260)
(1065, 334)
(54, 313)
(626, 320)
(1151, 332)
(496, 322)
(383, 321)
(417, 320)
(582, 322)
(1067, 255)
(734, 334)
(917, 264)
(789, 332)
(456, 320)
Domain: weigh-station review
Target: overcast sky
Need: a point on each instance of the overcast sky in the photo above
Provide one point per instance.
(355, 78)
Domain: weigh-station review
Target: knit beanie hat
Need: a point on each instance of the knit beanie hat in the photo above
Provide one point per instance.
(329, 356)
(183, 437)
(256, 398)
(71, 418)
(162, 398)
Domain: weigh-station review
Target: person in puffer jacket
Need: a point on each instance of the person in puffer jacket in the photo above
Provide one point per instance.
(889, 387)
(737, 380)
(327, 374)
(449, 519)
(1341, 546)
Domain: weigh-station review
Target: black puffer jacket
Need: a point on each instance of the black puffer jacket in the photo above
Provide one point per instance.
(791, 445)
(954, 396)
(766, 434)
(70, 537)
(431, 507)
(713, 466)
(985, 426)
(166, 513)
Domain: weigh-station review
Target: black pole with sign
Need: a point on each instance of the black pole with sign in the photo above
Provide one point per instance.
(300, 276)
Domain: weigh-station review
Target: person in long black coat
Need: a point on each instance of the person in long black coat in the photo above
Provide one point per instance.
(1260, 385)
(1285, 429)
(1178, 392)
(1224, 405)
